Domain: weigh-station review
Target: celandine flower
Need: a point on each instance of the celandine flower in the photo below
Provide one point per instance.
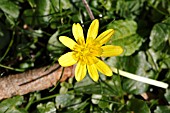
(86, 53)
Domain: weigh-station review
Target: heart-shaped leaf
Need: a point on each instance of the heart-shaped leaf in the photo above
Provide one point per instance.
(125, 36)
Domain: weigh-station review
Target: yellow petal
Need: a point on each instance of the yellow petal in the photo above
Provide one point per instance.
(67, 59)
(103, 68)
(110, 50)
(93, 30)
(105, 36)
(78, 32)
(67, 42)
(93, 72)
(80, 71)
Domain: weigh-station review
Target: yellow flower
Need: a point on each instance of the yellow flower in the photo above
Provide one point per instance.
(86, 53)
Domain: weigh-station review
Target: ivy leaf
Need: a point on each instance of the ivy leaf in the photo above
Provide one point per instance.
(11, 105)
(43, 10)
(160, 35)
(54, 46)
(10, 8)
(125, 36)
(162, 109)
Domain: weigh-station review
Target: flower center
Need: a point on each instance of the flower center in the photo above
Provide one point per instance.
(87, 52)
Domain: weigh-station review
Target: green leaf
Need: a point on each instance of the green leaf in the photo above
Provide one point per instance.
(10, 8)
(63, 100)
(49, 107)
(125, 36)
(54, 46)
(62, 4)
(167, 76)
(129, 8)
(96, 98)
(165, 63)
(32, 3)
(11, 105)
(40, 15)
(167, 95)
(77, 106)
(158, 59)
(110, 87)
(138, 106)
(162, 109)
(153, 58)
(103, 103)
(64, 87)
(134, 64)
(160, 35)
(107, 4)
(28, 16)
(43, 11)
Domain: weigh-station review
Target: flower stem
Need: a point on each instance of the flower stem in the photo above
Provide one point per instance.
(88, 9)
(11, 68)
(140, 78)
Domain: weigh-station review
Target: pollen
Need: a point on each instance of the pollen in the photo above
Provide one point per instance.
(86, 52)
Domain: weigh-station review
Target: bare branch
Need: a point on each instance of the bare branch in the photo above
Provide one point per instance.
(88, 9)
(32, 80)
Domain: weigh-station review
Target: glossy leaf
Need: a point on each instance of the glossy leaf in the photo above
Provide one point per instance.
(125, 36)
(54, 46)
(160, 35)
(162, 109)
(10, 8)
(40, 16)
(43, 11)
(11, 105)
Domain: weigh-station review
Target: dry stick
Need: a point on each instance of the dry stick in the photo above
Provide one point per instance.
(32, 80)
(88, 9)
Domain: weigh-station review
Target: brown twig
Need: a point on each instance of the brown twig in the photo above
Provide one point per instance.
(88, 9)
(32, 80)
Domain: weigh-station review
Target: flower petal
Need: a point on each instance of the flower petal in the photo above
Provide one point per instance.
(67, 59)
(93, 30)
(103, 68)
(67, 42)
(93, 72)
(110, 50)
(105, 36)
(80, 71)
(78, 32)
